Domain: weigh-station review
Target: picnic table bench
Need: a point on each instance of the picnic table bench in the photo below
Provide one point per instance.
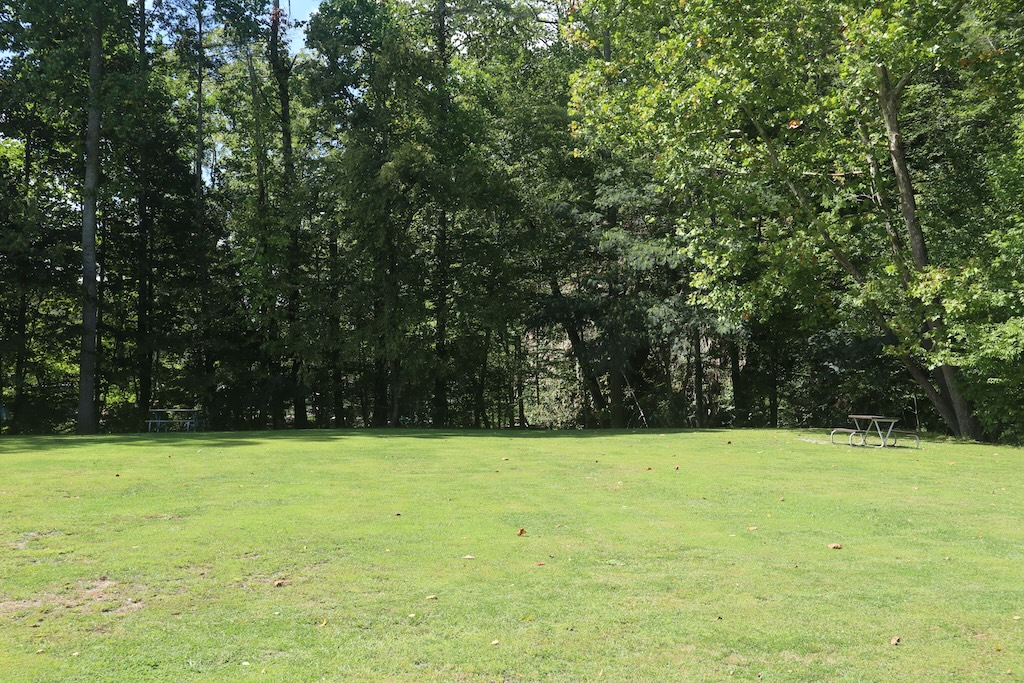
(865, 426)
(175, 420)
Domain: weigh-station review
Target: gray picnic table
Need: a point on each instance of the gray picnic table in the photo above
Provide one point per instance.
(175, 419)
(870, 425)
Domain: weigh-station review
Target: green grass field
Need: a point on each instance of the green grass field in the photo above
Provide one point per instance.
(373, 556)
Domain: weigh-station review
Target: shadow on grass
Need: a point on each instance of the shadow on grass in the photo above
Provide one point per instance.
(14, 443)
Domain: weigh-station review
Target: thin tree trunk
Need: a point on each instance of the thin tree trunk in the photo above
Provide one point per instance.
(739, 398)
(772, 375)
(480, 417)
(143, 341)
(616, 392)
(199, 209)
(261, 145)
(441, 275)
(337, 378)
(21, 317)
(394, 420)
(698, 376)
(380, 393)
(440, 406)
(87, 419)
(281, 67)
(520, 381)
(21, 361)
(101, 291)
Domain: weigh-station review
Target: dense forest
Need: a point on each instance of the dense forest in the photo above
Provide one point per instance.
(512, 213)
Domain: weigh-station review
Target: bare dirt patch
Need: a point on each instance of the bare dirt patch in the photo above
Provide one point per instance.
(102, 594)
(29, 536)
(18, 606)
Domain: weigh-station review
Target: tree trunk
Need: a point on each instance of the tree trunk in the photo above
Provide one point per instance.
(261, 145)
(394, 420)
(337, 375)
(143, 340)
(698, 376)
(480, 416)
(87, 419)
(520, 381)
(199, 210)
(888, 98)
(958, 413)
(440, 403)
(380, 393)
(616, 393)
(281, 67)
(101, 293)
(739, 398)
(21, 334)
(21, 363)
(439, 409)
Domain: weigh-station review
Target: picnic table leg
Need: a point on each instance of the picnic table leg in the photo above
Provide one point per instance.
(888, 433)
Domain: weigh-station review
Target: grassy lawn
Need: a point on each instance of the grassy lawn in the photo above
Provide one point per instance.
(373, 556)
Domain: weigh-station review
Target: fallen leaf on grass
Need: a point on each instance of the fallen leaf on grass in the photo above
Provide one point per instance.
(539, 564)
(677, 467)
(835, 546)
(431, 597)
(895, 640)
(649, 469)
(521, 532)
(751, 528)
(322, 622)
(281, 582)
(1016, 618)
(468, 557)
(495, 642)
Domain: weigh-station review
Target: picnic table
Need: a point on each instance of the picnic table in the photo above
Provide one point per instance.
(870, 425)
(175, 420)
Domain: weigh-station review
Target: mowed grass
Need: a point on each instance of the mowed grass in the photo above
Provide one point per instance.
(342, 556)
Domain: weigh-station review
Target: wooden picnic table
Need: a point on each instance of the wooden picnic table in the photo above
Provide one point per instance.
(175, 419)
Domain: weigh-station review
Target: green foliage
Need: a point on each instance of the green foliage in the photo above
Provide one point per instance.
(768, 126)
(521, 213)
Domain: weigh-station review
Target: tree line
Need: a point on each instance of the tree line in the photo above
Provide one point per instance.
(512, 213)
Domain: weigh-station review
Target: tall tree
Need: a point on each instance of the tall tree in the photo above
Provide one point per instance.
(87, 417)
(752, 114)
